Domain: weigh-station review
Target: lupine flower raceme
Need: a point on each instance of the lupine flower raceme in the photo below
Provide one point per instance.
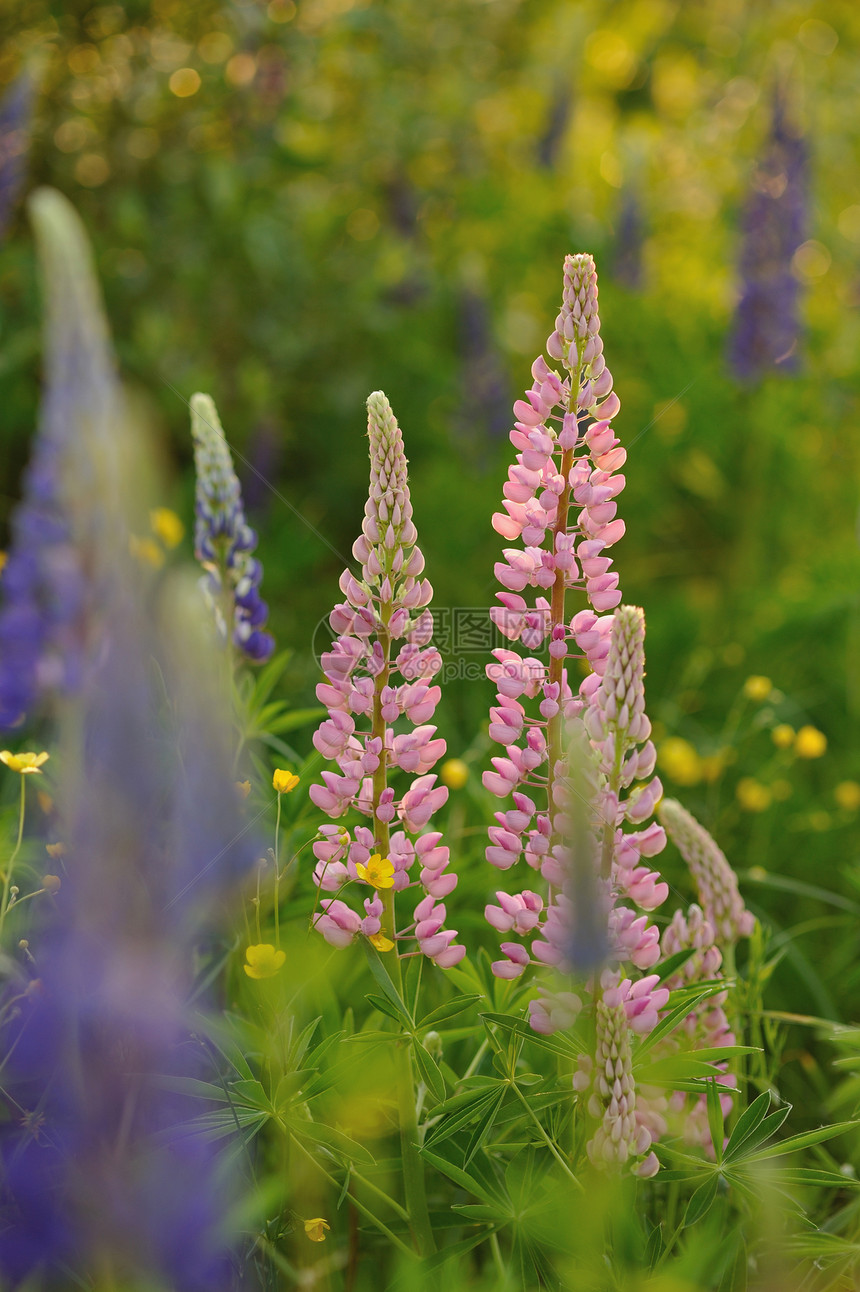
(715, 880)
(59, 540)
(224, 541)
(380, 697)
(560, 501)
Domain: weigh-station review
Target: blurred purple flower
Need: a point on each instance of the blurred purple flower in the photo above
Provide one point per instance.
(767, 328)
(16, 108)
(57, 535)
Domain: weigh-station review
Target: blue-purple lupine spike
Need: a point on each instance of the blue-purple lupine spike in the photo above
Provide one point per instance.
(63, 523)
(223, 541)
(766, 330)
(16, 108)
(103, 1165)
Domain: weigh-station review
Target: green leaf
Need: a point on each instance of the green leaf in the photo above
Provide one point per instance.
(756, 1134)
(715, 1118)
(294, 719)
(196, 1089)
(388, 1007)
(460, 1177)
(463, 1115)
(481, 1133)
(332, 1139)
(702, 1200)
(668, 1024)
(428, 1068)
(449, 1010)
(749, 1119)
(476, 1211)
(808, 1138)
(558, 1043)
(252, 1094)
(383, 979)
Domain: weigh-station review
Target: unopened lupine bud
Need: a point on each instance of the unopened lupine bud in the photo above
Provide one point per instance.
(715, 880)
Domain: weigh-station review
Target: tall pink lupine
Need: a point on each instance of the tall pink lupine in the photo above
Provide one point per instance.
(368, 704)
(715, 880)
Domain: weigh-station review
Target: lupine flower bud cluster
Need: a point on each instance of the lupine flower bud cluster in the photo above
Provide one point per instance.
(223, 540)
(621, 1137)
(705, 1027)
(715, 880)
(380, 698)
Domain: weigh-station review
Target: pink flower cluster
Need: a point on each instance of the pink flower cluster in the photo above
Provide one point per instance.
(380, 698)
(715, 880)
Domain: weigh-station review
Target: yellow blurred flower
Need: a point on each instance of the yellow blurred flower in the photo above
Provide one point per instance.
(752, 795)
(713, 764)
(380, 941)
(810, 742)
(847, 795)
(819, 820)
(379, 871)
(243, 788)
(55, 850)
(263, 961)
(783, 736)
(454, 773)
(3, 559)
(167, 526)
(757, 687)
(315, 1229)
(284, 782)
(46, 803)
(51, 884)
(26, 764)
(146, 550)
(680, 761)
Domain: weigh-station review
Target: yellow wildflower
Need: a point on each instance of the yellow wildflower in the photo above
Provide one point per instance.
(379, 871)
(783, 736)
(51, 884)
(380, 941)
(146, 550)
(680, 761)
(810, 742)
(167, 526)
(847, 795)
(46, 803)
(243, 788)
(315, 1229)
(757, 687)
(284, 782)
(3, 559)
(752, 795)
(26, 764)
(55, 850)
(454, 773)
(263, 961)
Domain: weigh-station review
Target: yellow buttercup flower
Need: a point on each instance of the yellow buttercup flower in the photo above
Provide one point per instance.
(454, 773)
(284, 782)
(783, 736)
(243, 788)
(26, 764)
(55, 850)
(810, 742)
(752, 795)
(167, 526)
(146, 550)
(847, 795)
(379, 871)
(315, 1229)
(263, 961)
(757, 687)
(680, 761)
(380, 941)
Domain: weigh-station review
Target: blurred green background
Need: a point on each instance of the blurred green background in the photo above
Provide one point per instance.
(294, 204)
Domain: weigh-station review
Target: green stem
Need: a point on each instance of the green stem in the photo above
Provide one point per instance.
(7, 879)
(413, 1165)
(359, 1206)
(277, 877)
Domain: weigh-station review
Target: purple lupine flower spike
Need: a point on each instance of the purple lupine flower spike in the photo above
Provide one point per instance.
(767, 328)
(16, 109)
(224, 541)
(365, 698)
(715, 880)
(59, 539)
